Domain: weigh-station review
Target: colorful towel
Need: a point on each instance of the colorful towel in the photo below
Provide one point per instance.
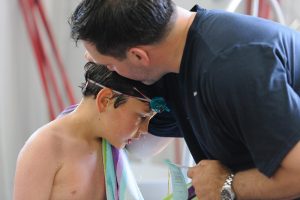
(119, 179)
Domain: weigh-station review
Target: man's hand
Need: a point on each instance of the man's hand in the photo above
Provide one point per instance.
(208, 177)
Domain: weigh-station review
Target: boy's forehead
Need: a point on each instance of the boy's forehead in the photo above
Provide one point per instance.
(147, 109)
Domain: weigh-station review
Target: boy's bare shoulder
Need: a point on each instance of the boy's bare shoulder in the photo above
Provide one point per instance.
(47, 141)
(40, 159)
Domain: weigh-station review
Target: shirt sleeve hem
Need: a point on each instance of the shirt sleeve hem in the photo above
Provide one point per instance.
(270, 168)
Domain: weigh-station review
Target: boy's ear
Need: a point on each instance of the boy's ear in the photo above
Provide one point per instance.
(138, 55)
(102, 99)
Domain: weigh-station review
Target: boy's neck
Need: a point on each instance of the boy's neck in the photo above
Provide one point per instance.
(83, 121)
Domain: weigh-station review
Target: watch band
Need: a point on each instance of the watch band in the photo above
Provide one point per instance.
(229, 179)
(227, 192)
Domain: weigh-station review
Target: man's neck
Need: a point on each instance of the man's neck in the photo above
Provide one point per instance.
(168, 53)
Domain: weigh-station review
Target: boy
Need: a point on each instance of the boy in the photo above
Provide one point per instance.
(71, 158)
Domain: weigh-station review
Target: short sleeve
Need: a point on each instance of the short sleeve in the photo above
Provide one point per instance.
(256, 102)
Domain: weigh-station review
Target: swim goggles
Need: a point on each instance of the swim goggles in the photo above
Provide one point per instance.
(157, 104)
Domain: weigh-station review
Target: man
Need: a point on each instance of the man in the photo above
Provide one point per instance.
(232, 83)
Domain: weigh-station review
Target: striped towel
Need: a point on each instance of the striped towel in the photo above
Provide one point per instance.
(67, 110)
(119, 180)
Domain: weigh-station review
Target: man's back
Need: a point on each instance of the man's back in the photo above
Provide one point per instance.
(240, 88)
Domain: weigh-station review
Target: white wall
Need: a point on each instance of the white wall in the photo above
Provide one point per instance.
(22, 102)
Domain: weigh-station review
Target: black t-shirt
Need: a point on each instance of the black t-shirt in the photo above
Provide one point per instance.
(236, 98)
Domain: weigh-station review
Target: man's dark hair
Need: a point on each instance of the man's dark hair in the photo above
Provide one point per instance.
(101, 75)
(114, 26)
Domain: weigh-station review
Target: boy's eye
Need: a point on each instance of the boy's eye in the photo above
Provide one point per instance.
(143, 118)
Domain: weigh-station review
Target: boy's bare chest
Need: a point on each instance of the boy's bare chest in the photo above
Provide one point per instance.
(81, 178)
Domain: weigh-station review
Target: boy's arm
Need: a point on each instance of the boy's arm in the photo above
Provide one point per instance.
(36, 167)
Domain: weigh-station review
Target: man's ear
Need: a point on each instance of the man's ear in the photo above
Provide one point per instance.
(102, 99)
(139, 56)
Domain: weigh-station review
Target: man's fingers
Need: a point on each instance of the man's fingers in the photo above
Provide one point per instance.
(190, 172)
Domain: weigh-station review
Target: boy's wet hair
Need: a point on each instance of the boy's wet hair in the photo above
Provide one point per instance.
(102, 75)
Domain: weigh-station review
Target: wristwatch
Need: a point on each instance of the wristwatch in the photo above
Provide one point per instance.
(227, 192)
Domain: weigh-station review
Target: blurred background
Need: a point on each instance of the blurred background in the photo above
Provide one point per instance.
(35, 86)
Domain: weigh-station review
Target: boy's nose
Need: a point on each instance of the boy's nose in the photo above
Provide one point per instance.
(138, 134)
(144, 127)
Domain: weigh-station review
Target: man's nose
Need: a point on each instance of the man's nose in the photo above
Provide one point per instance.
(110, 67)
(88, 57)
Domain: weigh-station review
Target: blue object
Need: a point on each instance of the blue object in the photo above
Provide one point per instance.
(158, 104)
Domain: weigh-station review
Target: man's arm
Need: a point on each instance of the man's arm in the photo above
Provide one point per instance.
(35, 170)
(284, 184)
(208, 177)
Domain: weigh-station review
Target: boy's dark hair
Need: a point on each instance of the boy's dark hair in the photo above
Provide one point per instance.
(101, 75)
(114, 26)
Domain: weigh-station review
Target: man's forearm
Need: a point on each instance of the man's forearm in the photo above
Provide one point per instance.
(252, 184)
